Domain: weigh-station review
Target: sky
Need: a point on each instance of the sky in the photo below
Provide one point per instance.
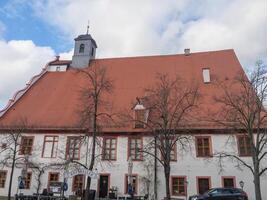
(33, 32)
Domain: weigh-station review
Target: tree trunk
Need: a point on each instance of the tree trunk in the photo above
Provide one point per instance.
(39, 182)
(257, 185)
(155, 171)
(88, 184)
(167, 181)
(11, 174)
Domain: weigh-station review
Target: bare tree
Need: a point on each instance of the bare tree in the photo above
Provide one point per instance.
(38, 170)
(168, 106)
(9, 155)
(147, 178)
(243, 111)
(95, 107)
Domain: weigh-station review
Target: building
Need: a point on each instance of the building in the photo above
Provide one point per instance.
(49, 103)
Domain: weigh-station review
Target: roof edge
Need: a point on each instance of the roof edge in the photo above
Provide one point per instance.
(21, 92)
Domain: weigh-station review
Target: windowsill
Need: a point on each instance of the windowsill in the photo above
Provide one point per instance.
(21, 154)
(49, 157)
(245, 155)
(179, 195)
(137, 160)
(210, 156)
(109, 159)
(73, 159)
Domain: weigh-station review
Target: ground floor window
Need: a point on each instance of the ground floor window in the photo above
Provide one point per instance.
(28, 180)
(228, 182)
(3, 178)
(134, 184)
(52, 178)
(77, 184)
(203, 184)
(178, 186)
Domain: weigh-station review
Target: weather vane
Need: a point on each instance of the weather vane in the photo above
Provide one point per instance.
(87, 28)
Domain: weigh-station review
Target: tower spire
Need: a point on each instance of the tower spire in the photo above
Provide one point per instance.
(87, 31)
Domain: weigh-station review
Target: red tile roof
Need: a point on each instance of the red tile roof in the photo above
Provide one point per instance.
(52, 101)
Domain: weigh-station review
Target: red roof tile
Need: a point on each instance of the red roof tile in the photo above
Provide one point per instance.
(53, 100)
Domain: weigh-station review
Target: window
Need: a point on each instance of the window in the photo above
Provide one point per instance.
(244, 147)
(3, 146)
(206, 75)
(134, 184)
(92, 51)
(58, 69)
(173, 153)
(203, 146)
(203, 184)
(52, 178)
(73, 148)
(109, 148)
(28, 180)
(178, 186)
(50, 146)
(135, 148)
(228, 182)
(140, 118)
(26, 145)
(77, 184)
(81, 49)
(3, 178)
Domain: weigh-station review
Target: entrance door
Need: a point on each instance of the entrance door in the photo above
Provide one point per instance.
(103, 186)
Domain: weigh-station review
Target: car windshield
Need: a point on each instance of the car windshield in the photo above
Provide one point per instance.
(211, 191)
(222, 190)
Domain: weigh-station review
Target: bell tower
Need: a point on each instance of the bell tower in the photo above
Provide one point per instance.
(84, 50)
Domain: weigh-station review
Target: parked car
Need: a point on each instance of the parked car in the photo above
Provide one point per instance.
(222, 194)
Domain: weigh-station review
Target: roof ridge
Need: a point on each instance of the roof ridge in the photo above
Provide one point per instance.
(148, 56)
(167, 55)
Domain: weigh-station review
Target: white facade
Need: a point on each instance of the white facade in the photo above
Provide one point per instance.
(187, 165)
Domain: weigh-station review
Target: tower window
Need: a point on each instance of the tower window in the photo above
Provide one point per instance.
(92, 51)
(81, 50)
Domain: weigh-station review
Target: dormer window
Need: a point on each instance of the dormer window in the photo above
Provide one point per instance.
(206, 75)
(81, 49)
(140, 116)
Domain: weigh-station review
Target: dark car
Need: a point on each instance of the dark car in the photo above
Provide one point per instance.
(222, 194)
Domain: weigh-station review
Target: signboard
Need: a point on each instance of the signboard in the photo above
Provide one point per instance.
(77, 171)
(55, 187)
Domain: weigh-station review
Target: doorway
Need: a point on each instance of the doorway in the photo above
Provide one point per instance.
(103, 186)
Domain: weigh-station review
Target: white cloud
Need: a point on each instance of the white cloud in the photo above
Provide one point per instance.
(66, 55)
(19, 61)
(126, 28)
(121, 28)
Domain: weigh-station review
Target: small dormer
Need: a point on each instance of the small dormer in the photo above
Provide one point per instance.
(206, 75)
(140, 115)
(84, 51)
(58, 65)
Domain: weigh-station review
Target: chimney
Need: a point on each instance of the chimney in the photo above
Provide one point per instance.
(187, 52)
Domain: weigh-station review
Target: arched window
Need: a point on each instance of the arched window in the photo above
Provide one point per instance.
(81, 50)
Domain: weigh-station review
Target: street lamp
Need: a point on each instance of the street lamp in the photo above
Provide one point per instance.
(241, 183)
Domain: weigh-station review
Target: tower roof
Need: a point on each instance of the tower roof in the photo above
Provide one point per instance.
(86, 37)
